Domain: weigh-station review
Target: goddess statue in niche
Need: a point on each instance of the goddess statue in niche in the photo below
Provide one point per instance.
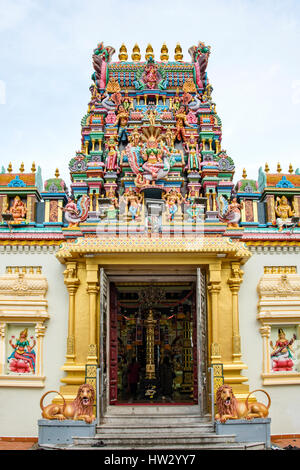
(282, 354)
(22, 359)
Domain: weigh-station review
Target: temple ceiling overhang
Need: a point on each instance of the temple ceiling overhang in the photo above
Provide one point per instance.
(221, 247)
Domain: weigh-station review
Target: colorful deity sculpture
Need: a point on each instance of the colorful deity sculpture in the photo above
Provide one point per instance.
(122, 121)
(112, 155)
(181, 121)
(284, 213)
(134, 201)
(18, 210)
(22, 359)
(173, 199)
(76, 212)
(192, 148)
(193, 208)
(282, 354)
(230, 213)
(150, 76)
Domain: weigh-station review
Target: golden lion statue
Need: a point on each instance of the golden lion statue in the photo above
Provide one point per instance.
(79, 409)
(230, 408)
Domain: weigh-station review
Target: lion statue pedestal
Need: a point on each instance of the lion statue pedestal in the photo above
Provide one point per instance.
(61, 423)
(248, 422)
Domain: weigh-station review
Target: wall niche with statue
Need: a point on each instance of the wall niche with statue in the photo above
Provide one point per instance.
(279, 316)
(23, 316)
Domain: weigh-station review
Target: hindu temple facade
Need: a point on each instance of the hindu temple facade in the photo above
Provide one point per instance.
(153, 251)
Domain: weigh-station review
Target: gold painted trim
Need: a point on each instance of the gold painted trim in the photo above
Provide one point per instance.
(151, 245)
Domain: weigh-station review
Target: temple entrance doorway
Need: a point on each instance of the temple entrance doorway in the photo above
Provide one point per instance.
(156, 340)
(155, 343)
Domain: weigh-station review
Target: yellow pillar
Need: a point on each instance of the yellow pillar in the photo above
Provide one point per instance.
(92, 280)
(234, 284)
(72, 283)
(214, 287)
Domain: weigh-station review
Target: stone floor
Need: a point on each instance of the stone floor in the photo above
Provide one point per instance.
(292, 443)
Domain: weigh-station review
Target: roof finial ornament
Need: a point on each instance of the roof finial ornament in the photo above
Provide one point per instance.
(267, 169)
(279, 168)
(164, 53)
(149, 52)
(123, 56)
(291, 168)
(244, 173)
(178, 52)
(33, 167)
(136, 53)
(56, 174)
(21, 169)
(9, 168)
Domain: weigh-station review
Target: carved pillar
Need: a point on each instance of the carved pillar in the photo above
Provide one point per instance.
(214, 288)
(92, 280)
(271, 216)
(234, 284)
(265, 332)
(72, 283)
(40, 330)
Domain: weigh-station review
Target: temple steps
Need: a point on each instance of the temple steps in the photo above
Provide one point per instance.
(161, 428)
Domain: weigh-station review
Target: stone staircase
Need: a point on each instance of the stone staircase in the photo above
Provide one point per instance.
(158, 427)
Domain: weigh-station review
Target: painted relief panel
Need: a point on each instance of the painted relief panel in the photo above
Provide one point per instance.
(23, 316)
(279, 316)
(20, 349)
(284, 349)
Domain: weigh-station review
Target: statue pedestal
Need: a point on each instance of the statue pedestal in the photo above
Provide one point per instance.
(255, 430)
(55, 432)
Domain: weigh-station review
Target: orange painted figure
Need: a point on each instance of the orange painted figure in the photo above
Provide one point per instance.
(18, 210)
(181, 121)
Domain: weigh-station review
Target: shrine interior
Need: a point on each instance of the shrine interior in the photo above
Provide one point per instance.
(172, 305)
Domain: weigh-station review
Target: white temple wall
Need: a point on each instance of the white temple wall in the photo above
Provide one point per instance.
(285, 409)
(20, 406)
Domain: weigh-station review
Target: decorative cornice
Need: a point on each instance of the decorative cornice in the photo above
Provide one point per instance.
(204, 245)
(279, 285)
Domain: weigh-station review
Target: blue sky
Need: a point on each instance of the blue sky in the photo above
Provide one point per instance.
(45, 70)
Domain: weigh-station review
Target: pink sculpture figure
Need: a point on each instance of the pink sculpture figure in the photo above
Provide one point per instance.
(22, 360)
(76, 213)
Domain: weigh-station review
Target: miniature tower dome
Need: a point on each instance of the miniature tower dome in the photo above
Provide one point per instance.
(56, 184)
